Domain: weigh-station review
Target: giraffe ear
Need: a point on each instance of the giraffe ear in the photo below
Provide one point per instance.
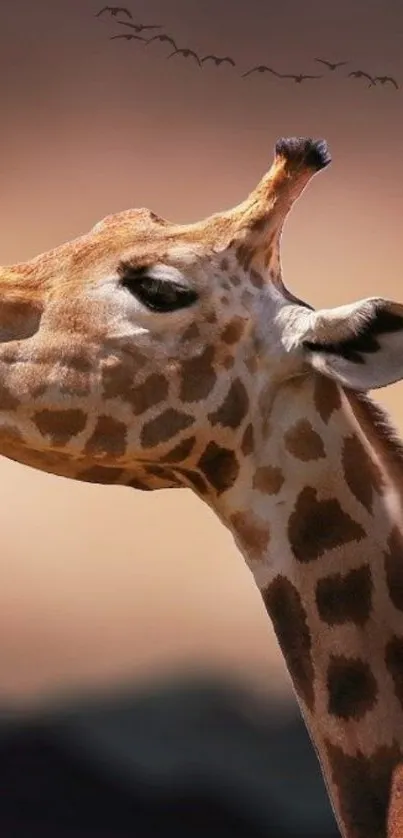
(360, 345)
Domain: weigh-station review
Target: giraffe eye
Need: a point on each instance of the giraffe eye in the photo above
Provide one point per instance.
(159, 295)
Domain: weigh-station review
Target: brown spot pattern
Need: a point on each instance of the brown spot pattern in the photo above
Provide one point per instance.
(248, 441)
(181, 451)
(394, 663)
(118, 376)
(327, 397)
(259, 225)
(256, 279)
(314, 527)
(362, 475)
(191, 333)
(342, 599)
(108, 437)
(253, 535)
(244, 254)
(220, 466)
(394, 568)
(19, 319)
(156, 218)
(235, 280)
(303, 442)
(79, 362)
(363, 785)
(164, 426)
(268, 479)
(198, 376)
(153, 391)
(285, 608)
(352, 687)
(233, 331)
(60, 425)
(234, 407)
(7, 400)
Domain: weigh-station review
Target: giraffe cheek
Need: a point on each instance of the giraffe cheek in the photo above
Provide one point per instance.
(18, 320)
(197, 376)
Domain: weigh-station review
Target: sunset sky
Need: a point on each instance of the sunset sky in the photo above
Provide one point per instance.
(90, 586)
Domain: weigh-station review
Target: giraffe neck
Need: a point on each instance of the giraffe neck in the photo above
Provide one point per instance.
(316, 524)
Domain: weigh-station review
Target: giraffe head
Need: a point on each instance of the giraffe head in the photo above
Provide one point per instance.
(142, 352)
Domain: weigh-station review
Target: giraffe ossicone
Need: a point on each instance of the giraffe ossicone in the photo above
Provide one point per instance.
(156, 355)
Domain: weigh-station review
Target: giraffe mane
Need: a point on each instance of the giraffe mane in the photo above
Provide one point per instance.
(377, 425)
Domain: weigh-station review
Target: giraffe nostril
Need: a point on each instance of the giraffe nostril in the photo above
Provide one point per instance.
(19, 319)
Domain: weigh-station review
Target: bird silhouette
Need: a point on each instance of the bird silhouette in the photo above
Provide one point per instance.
(140, 27)
(127, 37)
(330, 64)
(114, 11)
(163, 38)
(262, 68)
(384, 79)
(187, 53)
(299, 77)
(218, 60)
(361, 74)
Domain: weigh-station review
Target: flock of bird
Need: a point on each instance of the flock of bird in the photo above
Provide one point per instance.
(115, 11)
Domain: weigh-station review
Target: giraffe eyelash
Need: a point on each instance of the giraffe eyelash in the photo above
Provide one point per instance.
(157, 294)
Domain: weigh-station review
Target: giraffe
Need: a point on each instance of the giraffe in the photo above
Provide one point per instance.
(155, 355)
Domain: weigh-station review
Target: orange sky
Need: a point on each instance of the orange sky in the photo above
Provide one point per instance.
(91, 126)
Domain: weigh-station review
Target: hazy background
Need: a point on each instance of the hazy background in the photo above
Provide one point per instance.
(96, 581)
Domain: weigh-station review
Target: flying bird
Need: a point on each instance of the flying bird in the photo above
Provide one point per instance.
(262, 68)
(384, 79)
(299, 77)
(163, 38)
(360, 74)
(186, 54)
(128, 37)
(218, 60)
(139, 27)
(330, 63)
(114, 11)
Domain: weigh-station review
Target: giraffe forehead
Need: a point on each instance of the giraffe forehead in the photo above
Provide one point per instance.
(152, 237)
(213, 275)
(202, 250)
(96, 256)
